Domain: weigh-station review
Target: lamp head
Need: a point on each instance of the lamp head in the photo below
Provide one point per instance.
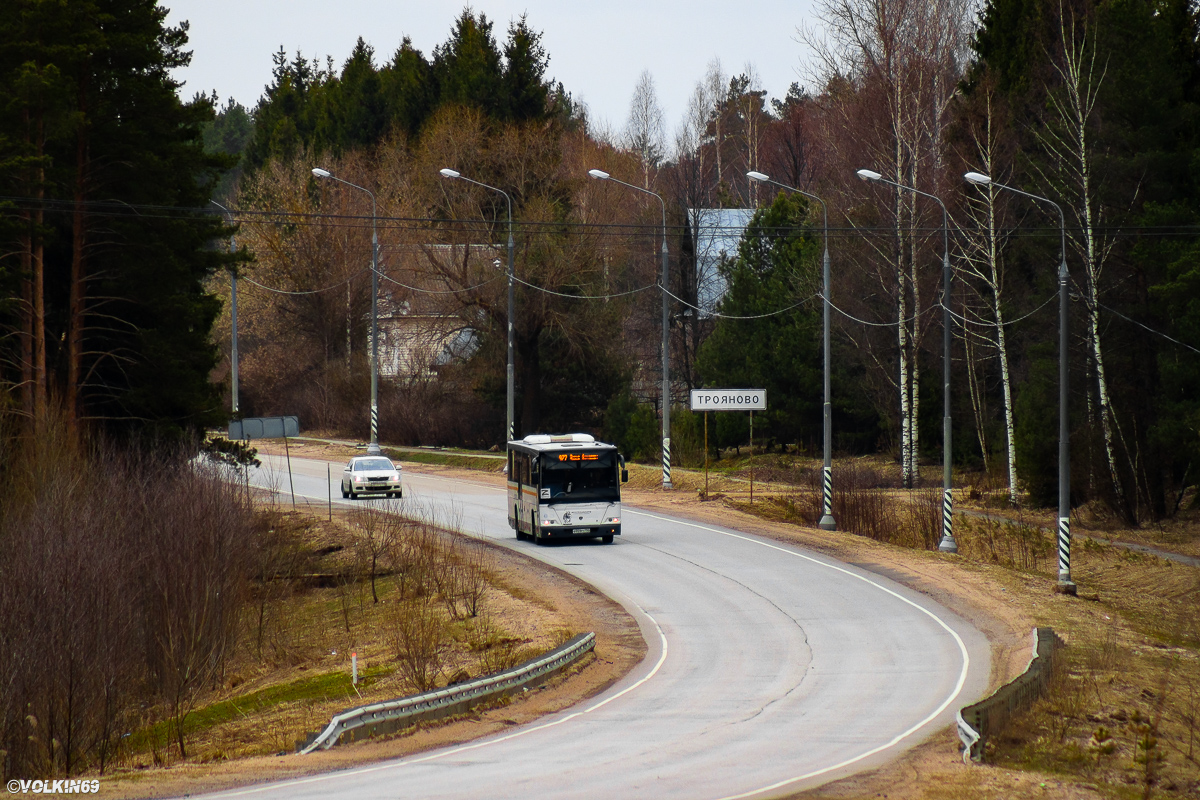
(449, 173)
(598, 173)
(757, 176)
(321, 173)
(977, 178)
(869, 175)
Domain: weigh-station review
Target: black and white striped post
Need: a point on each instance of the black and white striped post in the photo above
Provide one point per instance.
(947, 544)
(827, 522)
(1065, 584)
(373, 447)
(510, 369)
(666, 330)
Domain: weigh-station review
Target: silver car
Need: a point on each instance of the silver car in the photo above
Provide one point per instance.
(371, 475)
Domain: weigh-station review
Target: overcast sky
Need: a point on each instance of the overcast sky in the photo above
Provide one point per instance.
(596, 49)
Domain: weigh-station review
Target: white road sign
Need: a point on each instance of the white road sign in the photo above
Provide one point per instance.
(729, 399)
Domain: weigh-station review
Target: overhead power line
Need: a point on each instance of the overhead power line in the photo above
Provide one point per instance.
(115, 208)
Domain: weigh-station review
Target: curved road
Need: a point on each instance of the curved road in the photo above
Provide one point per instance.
(770, 669)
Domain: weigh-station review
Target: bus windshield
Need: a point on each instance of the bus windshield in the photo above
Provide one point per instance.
(580, 476)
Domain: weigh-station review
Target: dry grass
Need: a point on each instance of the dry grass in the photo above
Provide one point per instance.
(292, 670)
(1122, 720)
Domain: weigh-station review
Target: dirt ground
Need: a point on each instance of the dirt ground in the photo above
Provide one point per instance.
(573, 605)
(1004, 605)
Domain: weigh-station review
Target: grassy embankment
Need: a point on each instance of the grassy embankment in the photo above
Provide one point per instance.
(419, 608)
(1123, 718)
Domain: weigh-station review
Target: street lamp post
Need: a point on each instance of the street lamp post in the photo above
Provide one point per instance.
(511, 430)
(233, 351)
(827, 521)
(373, 447)
(666, 331)
(947, 544)
(1065, 584)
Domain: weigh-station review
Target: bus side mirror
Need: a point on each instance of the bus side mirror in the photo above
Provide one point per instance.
(624, 475)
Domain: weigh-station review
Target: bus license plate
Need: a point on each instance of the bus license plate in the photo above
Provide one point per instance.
(581, 530)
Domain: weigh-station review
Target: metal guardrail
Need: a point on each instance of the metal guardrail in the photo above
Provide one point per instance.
(392, 715)
(988, 717)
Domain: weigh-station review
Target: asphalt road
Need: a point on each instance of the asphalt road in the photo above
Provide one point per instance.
(769, 669)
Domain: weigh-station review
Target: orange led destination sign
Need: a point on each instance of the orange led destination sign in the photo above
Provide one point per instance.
(578, 456)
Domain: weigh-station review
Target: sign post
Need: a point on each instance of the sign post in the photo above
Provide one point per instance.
(729, 400)
(268, 428)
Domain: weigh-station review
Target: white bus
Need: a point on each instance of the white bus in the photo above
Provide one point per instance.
(563, 487)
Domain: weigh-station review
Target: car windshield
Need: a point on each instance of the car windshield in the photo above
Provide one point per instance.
(373, 464)
(581, 476)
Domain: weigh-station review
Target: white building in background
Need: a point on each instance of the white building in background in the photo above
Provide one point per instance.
(420, 327)
(715, 235)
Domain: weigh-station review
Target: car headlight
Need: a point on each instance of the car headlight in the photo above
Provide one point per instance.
(395, 476)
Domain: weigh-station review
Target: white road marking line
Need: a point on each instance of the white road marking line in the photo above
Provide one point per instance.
(962, 677)
(467, 747)
(962, 648)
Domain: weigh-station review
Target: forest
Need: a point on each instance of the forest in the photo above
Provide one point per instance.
(128, 211)
(128, 214)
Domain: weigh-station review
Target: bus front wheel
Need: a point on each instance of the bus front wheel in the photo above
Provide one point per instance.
(607, 538)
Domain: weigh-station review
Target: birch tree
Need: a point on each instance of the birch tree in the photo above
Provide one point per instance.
(1066, 137)
(716, 86)
(985, 272)
(902, 60)
(747, 99)
(644, 130)
(691, 184)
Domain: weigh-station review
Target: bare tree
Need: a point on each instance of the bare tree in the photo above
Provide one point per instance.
(985, 272)
(374, 530)
(644, 129)
(196, 546)
(895, 65)
(422, 639)
(693, 187)
(747, 102)
(716, 86)
(1066, 137)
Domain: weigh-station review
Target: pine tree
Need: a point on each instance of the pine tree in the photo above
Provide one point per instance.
(526, 92)
(779, 347)
(468, 66)
(127, 320)
(409, 89)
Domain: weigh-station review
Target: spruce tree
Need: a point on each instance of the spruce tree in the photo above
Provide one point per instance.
(125, 251)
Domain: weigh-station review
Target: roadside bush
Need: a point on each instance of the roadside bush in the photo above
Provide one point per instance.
(687, 437)
(122, 574)
(908, 519)
(1011, 543)
(422, 636)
